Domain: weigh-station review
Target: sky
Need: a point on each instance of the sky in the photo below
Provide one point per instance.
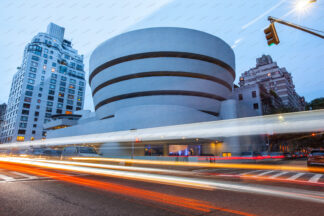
(240, 23)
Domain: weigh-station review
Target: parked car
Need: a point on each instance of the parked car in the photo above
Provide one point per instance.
(287, 155)
(316, 157)
(79, 151)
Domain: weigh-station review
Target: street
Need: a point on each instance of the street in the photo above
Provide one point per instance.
(52, 192)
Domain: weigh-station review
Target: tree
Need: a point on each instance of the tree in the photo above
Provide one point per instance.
(317, 103)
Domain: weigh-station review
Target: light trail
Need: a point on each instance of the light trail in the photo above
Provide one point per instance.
(178, 181)
(179, 201)
(204, 164)
(307, 121)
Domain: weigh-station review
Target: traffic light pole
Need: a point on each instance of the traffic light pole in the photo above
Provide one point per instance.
(272, 20)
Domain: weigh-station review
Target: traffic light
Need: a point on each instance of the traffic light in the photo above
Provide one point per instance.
(271, 35)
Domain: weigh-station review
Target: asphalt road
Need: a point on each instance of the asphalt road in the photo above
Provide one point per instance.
(70, 193)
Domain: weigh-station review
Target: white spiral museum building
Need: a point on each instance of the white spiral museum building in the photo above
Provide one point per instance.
(160, 76)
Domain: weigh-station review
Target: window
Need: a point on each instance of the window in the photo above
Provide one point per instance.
(32, 69)
(29, 93)
(52, 86)
(62, 83)
(39, 95)
(50, 97)
(70, 102)
(31, 75)
(37, 107)
(51, 92)
(53, 69)
(21, 131)
(240, 97)
(35, 119)
(48, 109)
(34, 125)
(26, 105)
(27, 99)
(42, 78)
(45, 55)
(71, 91)
(72, 81)
(33, 132)
(54, 76)
(25, 112)
(40, 89)
(80, 93)
(36, 113)
(31, 81)
(34, 64)
(63, 78)
(23, 125)
(78, 108)
(62, 89)
(81, 83)
(72, 86)
(255, 106)
(45, 61)
(24, 118)
(58, 111)
(71, 96)
(69, 107)
(48, 115)
(38, 100)
(79, 103)
(49, 103)
(81, 89)
(61, 94)
(30, 87)
(35, 58)
(254, 94)
(59, 105)
(61, 100)
(53, 81)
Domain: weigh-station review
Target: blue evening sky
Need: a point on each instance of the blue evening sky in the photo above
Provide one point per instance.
(238, 22)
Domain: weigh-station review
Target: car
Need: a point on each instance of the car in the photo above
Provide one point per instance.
(51, 154)
(79, 151)
(35, 152)
(315, 157)
(287, 155)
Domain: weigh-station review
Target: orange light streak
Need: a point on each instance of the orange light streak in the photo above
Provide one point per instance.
(125, 190)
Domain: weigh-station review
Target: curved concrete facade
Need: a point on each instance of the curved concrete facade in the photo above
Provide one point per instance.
(189, 71)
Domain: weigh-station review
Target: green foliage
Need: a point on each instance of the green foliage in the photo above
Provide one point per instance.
(315, 104)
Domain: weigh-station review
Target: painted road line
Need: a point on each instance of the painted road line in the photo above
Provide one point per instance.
(278, 174)
(315, 178)
(6, 178)
(296, 176)
(247, 173)
(24, 175)
(265, 173)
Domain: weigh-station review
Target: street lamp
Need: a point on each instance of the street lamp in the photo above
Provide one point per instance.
(302, 5)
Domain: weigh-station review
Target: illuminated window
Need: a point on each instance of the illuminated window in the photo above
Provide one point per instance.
(68, 112)
(20, 138)
(44, 67)
(53, 69)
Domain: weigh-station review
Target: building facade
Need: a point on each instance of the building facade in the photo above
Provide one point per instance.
(3, 108)
(50, 81)
(255, 100)
(275, 80)
(159, 77)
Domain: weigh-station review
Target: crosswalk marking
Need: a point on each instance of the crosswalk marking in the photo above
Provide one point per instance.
(6, 178)
(265, 173)
(24, 175)
(278, 174)
(296, 176)
(315, 178)
(246, 173)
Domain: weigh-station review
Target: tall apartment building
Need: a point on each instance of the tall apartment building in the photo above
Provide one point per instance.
(275, 80)
(50, 81)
